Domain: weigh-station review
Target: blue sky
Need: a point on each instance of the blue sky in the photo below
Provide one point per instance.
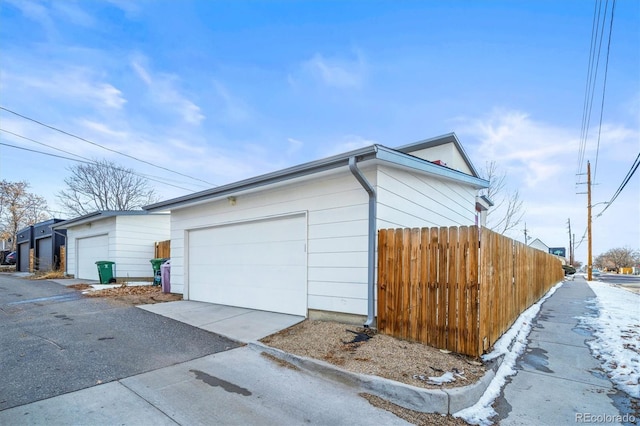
(224, 90)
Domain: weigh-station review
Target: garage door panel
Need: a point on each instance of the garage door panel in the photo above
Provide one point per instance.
(89, 251)
(24, 257)
(258, 265)
(45, 254)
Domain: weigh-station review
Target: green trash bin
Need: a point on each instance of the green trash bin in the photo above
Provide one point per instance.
(106, 271)
(157, 272)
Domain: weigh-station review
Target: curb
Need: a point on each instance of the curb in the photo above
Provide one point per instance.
(441, 401)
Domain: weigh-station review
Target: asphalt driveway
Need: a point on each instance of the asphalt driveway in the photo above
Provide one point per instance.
(54, 341)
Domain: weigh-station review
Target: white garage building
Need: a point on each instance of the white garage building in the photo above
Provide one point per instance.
(302, 240)
(124, 237)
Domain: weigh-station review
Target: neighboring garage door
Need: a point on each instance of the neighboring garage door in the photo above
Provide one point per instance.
(89, 251)
(44, 253)
(258, 265)
(24, 257)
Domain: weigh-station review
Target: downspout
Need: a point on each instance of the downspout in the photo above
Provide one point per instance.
(371, 258)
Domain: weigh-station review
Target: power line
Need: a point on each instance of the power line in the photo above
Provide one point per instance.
(44, 144)
(44, 153)
(93, 161)
(101, 146)
(587, 90)
(604, 89)
(88, 162)
(624, 183)
(600, 17)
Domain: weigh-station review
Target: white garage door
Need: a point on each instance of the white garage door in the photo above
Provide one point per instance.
(258, 265)
(89, 251)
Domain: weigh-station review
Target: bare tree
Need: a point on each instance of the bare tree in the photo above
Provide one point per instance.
(507, 211)
(103, 185)
(616, 258)
(18, 209)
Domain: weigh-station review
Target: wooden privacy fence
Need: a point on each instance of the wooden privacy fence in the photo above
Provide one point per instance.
(163, 249)
(456, 288)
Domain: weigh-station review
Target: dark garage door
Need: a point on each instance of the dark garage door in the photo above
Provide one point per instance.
(44, 253)
(24, 257)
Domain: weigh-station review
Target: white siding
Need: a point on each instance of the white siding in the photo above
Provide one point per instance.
(131, 241)
(102, 227)
(447, 153)
(136, 236)
(337, 208)
(407, 199)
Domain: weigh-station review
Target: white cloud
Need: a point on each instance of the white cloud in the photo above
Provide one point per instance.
(70, 12)
(347, 143)
(104, 130)
(163, 89)
(294, 146)
(35, 11)
(78, 85)
(538, 151)
(339, 73)
(232, 110)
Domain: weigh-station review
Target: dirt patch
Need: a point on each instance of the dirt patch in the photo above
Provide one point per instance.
(363, 351)
(131, 295)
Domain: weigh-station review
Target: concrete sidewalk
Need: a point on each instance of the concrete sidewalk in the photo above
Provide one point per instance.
(558, 381)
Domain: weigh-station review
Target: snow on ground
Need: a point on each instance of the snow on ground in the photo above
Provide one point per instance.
(617, 334)
(512, 344)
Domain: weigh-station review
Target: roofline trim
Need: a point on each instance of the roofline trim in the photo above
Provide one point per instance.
(100, 214)
(437, 141)
(379, 152)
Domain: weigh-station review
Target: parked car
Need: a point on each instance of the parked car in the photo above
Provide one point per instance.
(10, 259)
(568, 269)
(595, 272)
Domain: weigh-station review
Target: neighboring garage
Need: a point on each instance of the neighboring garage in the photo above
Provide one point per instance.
(89, 250)
(259, 264)
(24, 243)
(45, 244)
(125, 237)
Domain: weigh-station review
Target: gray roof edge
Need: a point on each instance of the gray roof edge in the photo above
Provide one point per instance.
(408, 160)
(99, 214)
(366, 153)
(441, 140)
(269, 178)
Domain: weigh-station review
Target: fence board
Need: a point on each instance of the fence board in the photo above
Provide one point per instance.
(163, 249)
(457, 288)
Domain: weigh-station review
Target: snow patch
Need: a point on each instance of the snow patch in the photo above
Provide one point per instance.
(617, 334)
(511, 345)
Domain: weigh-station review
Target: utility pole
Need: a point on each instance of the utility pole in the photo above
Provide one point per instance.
(526, 236)
(589, 253)
(570, 244)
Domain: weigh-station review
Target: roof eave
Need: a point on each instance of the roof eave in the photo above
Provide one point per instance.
(407, 160)
(267, 179)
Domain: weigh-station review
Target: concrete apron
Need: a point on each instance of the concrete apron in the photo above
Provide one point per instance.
(557, 377)
(248, 326)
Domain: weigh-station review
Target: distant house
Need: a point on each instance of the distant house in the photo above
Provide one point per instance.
(302, 240)
(38, 247)
(538, 244)
(556, 251)
(124, 237)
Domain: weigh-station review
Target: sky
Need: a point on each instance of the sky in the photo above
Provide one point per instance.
(211, 92)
